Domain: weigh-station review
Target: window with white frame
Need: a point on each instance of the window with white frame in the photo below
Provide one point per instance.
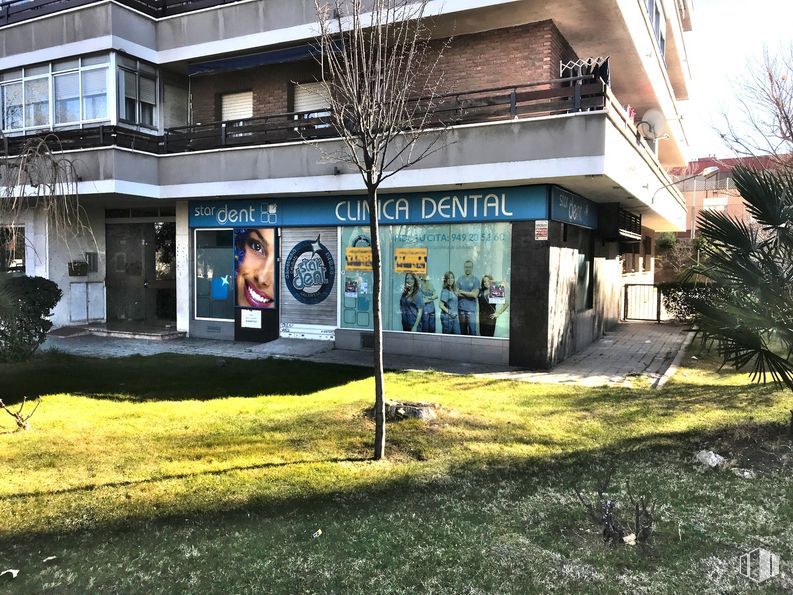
(658, 24)
(12, 250)
(66, 93)
(137, 92)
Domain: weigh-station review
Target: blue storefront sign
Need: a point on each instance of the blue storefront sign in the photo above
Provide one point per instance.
(520, 203)
(567, 207)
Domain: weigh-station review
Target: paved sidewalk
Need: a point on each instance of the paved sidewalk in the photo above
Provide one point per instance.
(632, 352)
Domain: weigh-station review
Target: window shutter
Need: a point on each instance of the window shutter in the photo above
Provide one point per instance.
(237, 106)
(311, 97)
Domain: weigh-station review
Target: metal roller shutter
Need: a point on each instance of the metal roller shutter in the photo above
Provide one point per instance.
(237, 106)
(311, 97)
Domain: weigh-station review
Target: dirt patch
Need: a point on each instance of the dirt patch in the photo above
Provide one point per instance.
(763, 448)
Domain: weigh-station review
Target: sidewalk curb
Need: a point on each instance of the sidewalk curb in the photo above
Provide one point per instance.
(670, 371)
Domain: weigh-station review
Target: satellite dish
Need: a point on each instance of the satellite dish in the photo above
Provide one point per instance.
(652, 124)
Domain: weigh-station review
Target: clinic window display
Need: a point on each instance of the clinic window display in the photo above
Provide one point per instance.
(254, 265)
(442, 279)
(233, 268)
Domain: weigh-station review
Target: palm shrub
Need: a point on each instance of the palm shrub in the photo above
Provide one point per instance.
(751, 317)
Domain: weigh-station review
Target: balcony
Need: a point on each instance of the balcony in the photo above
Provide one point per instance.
(535, 99)
(571, 132)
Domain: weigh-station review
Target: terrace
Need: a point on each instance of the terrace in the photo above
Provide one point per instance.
(515, 102)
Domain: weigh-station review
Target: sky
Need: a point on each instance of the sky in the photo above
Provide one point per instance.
(728, 35)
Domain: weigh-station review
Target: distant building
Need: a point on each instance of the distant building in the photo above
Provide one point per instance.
(718, 193)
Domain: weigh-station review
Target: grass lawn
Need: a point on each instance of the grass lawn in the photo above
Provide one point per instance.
(176, 473)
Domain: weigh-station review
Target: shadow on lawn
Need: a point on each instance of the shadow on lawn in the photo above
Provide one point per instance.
(169, 377)
(469, 479)
(171, 476)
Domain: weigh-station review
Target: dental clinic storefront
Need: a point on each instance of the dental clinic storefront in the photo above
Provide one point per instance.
(301, 267)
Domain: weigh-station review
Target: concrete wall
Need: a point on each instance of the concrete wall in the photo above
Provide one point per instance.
(570, 330)
(545, 326)
(47, 253)
(529, 296)
(464, 349)
(70, 246)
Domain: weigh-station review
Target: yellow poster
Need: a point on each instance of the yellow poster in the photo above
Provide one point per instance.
(410, 260)
(358, 259)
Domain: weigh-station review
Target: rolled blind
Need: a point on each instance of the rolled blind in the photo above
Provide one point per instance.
(237, 106)
(311, 97)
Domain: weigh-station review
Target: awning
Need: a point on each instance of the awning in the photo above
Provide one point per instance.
(282, 56)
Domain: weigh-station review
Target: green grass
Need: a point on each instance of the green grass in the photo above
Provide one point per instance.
(177, 473)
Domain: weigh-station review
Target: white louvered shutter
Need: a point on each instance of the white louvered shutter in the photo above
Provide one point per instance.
(237, 106)
(311, 97)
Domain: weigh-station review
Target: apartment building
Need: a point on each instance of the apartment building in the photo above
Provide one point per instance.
(189, 124)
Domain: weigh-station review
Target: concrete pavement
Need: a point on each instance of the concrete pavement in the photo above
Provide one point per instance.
(635, 353)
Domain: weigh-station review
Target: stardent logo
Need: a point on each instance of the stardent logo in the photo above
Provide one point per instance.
(261, 214)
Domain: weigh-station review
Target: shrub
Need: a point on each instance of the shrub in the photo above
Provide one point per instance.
(23, 317)
(665, 242)
(679, 298)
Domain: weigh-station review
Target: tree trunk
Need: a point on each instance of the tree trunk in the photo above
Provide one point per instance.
(379, 392)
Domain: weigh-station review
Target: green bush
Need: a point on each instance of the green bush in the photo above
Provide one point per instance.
(665, 242)
(27, 302)
(679, 298)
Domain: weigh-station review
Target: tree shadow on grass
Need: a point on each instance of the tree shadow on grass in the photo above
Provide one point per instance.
(474, 478)
(169, 377)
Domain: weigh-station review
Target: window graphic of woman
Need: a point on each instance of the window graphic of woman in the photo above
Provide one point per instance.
(429, 296)
(488, 313)
(411, 304)
(450, 324)
(254, 256)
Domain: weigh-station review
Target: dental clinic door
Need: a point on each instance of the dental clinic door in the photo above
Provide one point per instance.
(141, 274)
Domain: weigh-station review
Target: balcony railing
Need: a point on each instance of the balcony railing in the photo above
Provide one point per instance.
(16, 11)
(559, 96)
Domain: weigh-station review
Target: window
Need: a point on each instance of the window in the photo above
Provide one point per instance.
(37, 102)
(94, 85)
(12, 250)
(584, 285)
(311, 100)
(214, 274)
(657, 24)
(137, 92)
(467, 258)
(236, 106)
(67, 98)
(63, 93)
(647, 254)
(12, 106)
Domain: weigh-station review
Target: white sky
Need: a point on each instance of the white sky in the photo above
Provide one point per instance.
(727, 36)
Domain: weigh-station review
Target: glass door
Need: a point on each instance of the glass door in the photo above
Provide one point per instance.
(141, 275)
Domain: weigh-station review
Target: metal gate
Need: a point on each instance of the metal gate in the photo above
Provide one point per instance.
(643, 302)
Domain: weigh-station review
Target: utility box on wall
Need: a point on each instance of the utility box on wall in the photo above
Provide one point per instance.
(86, 301)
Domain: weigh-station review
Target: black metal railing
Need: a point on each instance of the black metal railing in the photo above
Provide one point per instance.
(16, 11)
(87, 138)
(559, 96)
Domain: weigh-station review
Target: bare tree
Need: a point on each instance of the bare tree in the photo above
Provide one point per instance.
(381, 75)
(763, 123)
(37, 176)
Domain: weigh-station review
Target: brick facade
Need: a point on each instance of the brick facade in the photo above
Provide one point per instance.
(495, 58)
(271, 86)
